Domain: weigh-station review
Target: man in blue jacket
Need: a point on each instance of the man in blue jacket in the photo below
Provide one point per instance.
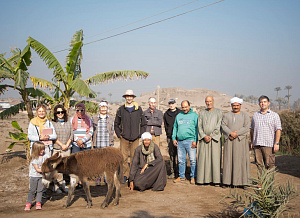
(185, 137)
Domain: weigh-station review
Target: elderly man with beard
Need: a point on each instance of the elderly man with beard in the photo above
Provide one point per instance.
(236, 160)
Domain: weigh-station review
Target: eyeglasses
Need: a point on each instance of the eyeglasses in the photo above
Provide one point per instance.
(60, 112)
(81, 110)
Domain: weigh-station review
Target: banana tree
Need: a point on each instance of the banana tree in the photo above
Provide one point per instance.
(15, 69)
(68, 81)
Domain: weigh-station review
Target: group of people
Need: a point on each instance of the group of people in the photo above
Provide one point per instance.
(144, 167)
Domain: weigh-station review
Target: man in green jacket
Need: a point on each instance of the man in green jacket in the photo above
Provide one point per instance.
(185, 134)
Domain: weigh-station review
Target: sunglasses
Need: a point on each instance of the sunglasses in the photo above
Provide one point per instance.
(81, 110)
(60, 112)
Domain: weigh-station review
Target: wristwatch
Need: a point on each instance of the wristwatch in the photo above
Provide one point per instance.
(277, 143)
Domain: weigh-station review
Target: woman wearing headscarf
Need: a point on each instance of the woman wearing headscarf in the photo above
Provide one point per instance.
(148, 169)
(41, 129)
(82, 128)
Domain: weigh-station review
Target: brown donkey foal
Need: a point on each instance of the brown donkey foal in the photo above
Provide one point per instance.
(89, 164)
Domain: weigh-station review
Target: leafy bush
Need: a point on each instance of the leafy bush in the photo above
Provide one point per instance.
(268, 199)
(290, 135)
(19, 137)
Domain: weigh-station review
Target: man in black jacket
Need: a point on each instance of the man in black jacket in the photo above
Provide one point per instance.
(169, 119)
(130, 123)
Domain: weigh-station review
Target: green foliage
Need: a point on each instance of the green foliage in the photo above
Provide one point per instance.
(290, 135)
(20, 137)
(268, 201)
(69, 81)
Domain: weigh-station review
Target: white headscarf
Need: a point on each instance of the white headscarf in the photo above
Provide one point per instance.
(146, 135)
(236, 100)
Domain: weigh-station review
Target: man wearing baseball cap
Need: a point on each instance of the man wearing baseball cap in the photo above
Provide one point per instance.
(130, 124)
(169, 119)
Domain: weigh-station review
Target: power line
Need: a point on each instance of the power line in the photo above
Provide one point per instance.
(150, 24)
(146, 18)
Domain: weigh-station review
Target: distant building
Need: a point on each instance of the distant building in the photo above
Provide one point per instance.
(4, 105)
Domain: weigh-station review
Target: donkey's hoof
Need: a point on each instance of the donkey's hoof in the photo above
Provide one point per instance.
(104, 205)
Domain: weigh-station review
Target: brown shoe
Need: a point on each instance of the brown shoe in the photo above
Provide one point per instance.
(178, 180)
(193, 181)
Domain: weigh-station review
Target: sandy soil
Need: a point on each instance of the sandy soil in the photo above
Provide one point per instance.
(177, 200)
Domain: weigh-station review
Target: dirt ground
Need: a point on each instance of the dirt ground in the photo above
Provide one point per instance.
(177, 200)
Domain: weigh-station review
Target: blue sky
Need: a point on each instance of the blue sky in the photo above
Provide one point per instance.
(235, 46)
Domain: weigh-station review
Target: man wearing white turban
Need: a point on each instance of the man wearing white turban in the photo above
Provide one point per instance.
(236, 161)
(148, 169)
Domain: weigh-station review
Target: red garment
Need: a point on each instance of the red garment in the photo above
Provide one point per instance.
(85, 120)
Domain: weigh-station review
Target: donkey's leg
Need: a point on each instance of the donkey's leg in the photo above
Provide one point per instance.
(86, 189)
(117, 185)
(109, 181)
(73, 182)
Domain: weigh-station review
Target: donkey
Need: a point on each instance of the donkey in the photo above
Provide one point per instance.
(89, 164)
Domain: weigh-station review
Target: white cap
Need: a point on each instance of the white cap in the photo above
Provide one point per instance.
(103, 103)
(146, 135)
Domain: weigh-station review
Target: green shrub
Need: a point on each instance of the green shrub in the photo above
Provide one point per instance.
(290, 135)
(270, 200)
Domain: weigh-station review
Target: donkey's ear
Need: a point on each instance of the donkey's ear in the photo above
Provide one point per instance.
(55, 162)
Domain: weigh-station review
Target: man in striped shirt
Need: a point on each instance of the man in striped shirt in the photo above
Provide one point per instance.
(265, 134)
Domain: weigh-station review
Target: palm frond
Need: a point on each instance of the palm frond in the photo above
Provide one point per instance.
(21, 78)
(13, 60)
(4, 74)
(24, 60)
(38, 92)
(6, 64)
(3, 88)
(42, 83)
(48, 58)
(116, 75)
(73, 66)
(82, 88)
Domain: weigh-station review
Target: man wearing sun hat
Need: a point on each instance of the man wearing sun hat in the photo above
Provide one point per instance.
(130, 123)
(236, 160)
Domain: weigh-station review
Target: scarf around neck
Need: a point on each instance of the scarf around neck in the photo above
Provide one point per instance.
(39, 122)
(85, 120)
(135, 104)
(148, 153)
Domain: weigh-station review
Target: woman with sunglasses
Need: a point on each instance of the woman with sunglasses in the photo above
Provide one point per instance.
(82, 128)
(64, 132)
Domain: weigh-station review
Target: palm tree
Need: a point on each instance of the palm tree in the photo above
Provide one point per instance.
(280, 101)
(15, 69)
(277, 89)
(70, 78)
(288, 87)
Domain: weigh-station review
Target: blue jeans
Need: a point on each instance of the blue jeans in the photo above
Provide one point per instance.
(183, 148)
(76, 149)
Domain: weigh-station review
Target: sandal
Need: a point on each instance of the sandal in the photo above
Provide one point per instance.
(27, 207)
(38, 206)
